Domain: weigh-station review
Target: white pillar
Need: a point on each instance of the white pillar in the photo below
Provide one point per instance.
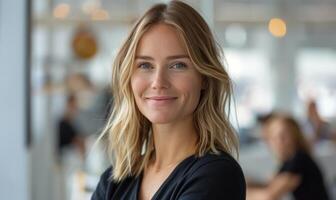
(13, 100)
(282, 52)
(282, 60)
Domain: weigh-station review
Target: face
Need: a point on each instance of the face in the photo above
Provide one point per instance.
(280, 140)
(165, 84)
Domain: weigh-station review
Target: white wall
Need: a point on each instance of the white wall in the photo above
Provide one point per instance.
(13, 153)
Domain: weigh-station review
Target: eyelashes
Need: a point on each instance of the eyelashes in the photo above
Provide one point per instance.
(145, 65)
(176, 65)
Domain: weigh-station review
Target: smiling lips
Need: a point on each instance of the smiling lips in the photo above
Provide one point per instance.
(160, 100)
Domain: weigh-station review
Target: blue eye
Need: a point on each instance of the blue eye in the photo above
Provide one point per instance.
(145, 65)
(179, 65)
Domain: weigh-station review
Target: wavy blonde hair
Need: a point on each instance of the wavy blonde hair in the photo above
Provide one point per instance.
(128, 133)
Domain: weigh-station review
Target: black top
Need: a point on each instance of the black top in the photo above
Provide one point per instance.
(312, 185)
(211, 177)
(67, 132)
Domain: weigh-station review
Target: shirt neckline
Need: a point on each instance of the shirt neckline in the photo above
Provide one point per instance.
(170, 176)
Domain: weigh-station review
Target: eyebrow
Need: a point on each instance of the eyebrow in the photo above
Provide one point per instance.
(168, 58)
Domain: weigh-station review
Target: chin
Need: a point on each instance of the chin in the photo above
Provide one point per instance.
(162, 119)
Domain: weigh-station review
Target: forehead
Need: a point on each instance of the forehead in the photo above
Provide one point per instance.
(162, 40)
(276, 126)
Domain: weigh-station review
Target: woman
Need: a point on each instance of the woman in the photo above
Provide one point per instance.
(168, 135)
(298, 173)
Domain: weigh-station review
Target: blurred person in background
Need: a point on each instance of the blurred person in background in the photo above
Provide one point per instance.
(317, 128)
(71, 145)
(68, 132)
(262, 123)
(298, 174)
(169, 136)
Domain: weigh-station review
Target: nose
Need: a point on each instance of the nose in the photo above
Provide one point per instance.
(160, 79)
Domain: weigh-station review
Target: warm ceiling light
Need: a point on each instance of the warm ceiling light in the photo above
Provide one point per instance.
(277, 27)
(61, 11)
(100, 14)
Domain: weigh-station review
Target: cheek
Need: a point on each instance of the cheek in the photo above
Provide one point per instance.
(195, 93)
(138, 85)
(272, 144)
(275, 143)
(195, 97)
(137, 89)
(190, 96)
(289, 143)
(190, 86)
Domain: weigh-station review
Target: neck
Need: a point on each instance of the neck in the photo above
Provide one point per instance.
(173, 143)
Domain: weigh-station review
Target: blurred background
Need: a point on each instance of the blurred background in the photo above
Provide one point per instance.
(55, 72)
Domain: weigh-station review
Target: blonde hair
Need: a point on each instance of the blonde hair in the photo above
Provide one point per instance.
(128, 131)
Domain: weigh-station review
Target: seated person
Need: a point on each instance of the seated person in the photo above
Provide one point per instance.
(298, 174)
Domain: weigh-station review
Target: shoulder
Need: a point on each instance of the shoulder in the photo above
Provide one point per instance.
(103, 185)
(217, 163)
(219, 166)
(216, 177)
(220, 159)
(297, 163)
